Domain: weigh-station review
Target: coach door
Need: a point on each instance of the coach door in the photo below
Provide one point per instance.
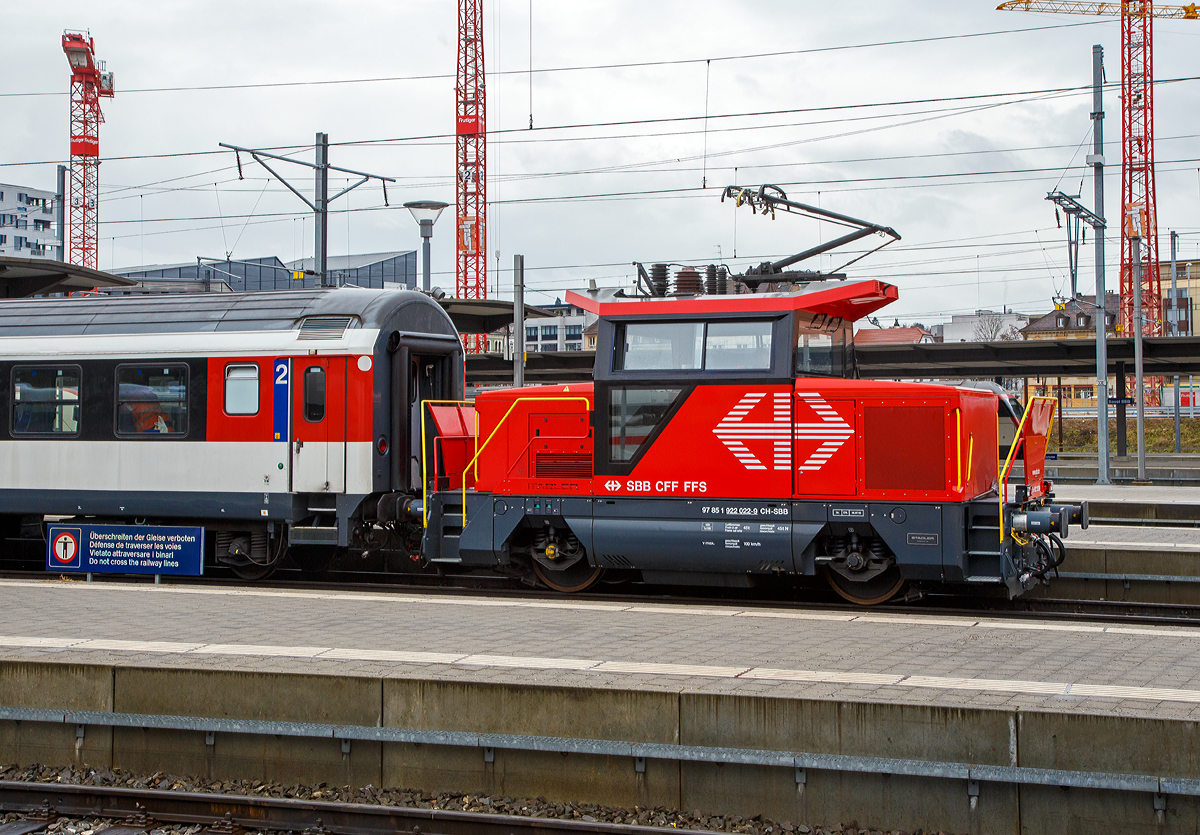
(319, 425)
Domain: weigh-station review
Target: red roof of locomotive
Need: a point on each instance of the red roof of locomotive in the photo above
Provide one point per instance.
(849, 300)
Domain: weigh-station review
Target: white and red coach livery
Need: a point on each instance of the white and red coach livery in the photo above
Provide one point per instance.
(276, 420)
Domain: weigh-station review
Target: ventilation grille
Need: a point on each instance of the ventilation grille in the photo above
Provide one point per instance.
(324, 327)
(563, 465)
(617, 560)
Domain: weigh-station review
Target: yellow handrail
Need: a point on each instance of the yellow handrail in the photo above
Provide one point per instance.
(479, 449)
(970, 457)
(1012, 450)
(958, 446)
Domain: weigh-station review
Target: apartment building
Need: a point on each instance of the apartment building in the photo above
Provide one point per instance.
(563, 332)
(28, 227)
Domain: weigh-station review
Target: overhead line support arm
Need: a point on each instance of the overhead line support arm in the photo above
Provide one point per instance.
(319, 206)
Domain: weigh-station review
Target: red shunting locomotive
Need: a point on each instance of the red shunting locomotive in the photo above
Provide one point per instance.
(724, 442)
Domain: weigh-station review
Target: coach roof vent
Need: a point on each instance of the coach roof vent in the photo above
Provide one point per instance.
(324, 327)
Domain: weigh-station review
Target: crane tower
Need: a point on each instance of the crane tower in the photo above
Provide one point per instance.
(89, 83)
(471, 157)
(1139, 213)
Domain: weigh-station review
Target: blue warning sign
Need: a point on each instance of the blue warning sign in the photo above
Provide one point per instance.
(125, 549)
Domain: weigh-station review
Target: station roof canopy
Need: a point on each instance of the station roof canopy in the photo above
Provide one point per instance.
(1161, 356)
(485, 315)
(23, 277)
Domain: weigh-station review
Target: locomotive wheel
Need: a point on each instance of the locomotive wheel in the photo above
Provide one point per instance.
(879, 589)
(577, 578)
(314, 559)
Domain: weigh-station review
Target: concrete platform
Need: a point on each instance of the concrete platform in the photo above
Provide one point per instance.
(1154, 494)
(948, 661)
(995, 693)
(1167, 468)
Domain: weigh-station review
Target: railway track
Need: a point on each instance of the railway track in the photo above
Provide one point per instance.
(784, 596)
(139, 811)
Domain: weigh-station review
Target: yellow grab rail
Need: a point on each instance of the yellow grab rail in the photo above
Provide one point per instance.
(958, 446)
(1012, 450)
(970, 457)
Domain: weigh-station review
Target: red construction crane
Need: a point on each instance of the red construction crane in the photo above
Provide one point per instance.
(471, 156)
(89, 82)
(1139, 214)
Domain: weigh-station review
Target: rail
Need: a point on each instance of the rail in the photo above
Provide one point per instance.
(140, 810)
(1012, 450)
(638, 752)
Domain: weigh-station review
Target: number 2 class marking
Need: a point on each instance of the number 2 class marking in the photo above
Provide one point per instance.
(281, 371)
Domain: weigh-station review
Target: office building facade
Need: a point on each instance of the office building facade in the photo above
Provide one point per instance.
(28, 224)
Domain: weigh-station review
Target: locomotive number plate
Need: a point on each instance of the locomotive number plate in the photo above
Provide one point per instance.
(764, 511)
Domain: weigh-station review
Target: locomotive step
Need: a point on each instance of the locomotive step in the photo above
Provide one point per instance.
(313, 536)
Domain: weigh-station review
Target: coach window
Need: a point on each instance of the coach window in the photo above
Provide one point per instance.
(632, 416)
(152, 400)
(241, 389)
(46, 401)
(314, 394)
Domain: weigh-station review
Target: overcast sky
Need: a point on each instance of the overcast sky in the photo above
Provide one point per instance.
(612, 172)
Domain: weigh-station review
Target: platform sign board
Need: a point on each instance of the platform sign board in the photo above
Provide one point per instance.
(125, 549)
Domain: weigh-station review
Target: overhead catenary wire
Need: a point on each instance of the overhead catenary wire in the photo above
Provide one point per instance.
(695, 192)
(444, 137)
(639, 168)
(580, 68)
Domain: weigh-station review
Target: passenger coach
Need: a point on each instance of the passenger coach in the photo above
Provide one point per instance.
(274, 420)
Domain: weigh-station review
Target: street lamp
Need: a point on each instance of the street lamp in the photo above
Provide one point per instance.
(425, 212)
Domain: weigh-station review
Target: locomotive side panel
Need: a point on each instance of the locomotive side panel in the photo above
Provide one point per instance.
(826, 433)
(979, 435)
(710, 441)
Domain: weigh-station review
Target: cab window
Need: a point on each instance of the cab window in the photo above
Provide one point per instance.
(737, 345)
(632, 417)
(822, 345)
(662, 346)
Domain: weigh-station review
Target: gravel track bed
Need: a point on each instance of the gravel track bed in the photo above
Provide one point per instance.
(93, 826)
(409, 798)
